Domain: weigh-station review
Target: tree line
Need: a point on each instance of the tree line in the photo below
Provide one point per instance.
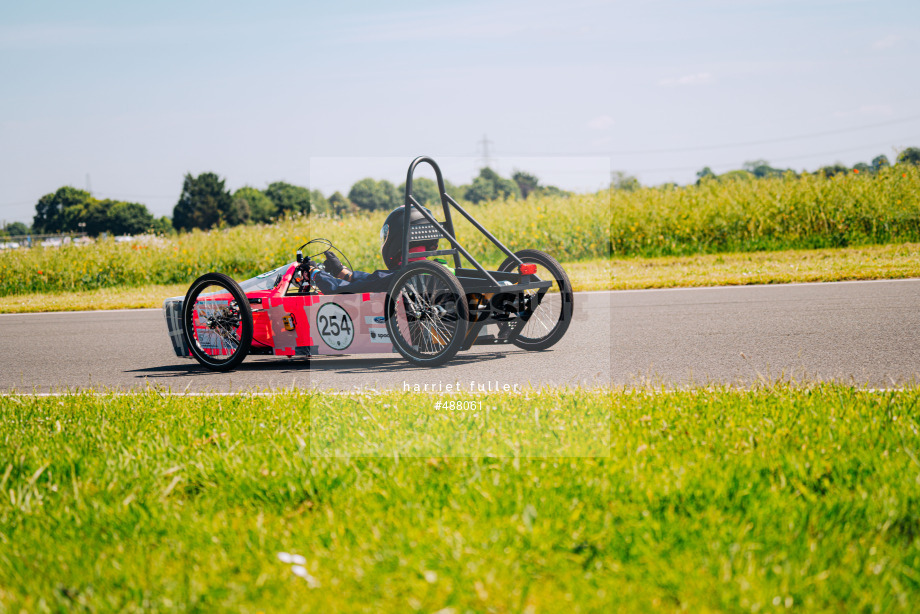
(760, 169)
(369, 194)
(205, 202)
(72, 210)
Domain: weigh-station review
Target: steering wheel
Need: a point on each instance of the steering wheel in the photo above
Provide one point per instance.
(325, 244)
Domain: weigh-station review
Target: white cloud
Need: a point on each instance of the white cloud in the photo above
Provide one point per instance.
(601, 122)
(885, 43)
(699, 78)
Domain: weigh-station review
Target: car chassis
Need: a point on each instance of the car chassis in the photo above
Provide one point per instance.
(428, 313)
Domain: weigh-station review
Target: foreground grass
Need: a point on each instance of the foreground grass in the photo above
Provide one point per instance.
(704, 500)
(794, 266)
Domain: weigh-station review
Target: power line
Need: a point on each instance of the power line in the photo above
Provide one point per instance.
(786, 139)
(782, 159)
(777, 140)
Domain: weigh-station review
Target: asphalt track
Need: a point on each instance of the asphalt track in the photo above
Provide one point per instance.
(865, 333)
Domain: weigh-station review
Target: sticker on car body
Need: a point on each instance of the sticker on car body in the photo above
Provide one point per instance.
(379, 335)
(335, 326)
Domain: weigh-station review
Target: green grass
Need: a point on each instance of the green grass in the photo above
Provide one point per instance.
(808, 212)
(896, 261)
(703, 500)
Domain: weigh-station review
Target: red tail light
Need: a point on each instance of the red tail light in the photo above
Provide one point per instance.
(528, 269)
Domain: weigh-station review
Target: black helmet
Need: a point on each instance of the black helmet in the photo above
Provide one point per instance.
(423, 234)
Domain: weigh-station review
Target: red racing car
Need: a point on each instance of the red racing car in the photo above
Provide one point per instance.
(427, 312)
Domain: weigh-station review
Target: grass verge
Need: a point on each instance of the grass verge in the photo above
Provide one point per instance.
(793, 266)
(704, 500)
(104, 298)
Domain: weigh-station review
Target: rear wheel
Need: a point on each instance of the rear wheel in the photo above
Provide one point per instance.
(217, 321)
(552, 308)
(426, 314)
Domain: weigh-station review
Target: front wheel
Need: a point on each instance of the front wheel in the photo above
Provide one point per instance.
(552, 309)
(427, 314)
(218, 322)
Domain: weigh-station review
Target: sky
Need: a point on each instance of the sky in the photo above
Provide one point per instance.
(125, 98)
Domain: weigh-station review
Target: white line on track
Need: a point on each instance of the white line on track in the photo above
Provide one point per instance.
(318, 392)
(796, 284)
(60, 313)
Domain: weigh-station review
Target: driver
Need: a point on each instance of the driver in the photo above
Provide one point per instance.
(338, 278)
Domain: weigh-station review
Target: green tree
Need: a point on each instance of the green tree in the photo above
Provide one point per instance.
(704, 175)
(289, 199)
(526, 183)
(261, 208)
(750, 165)
(204, 202)
(239, 213)
(762, 169)
(489, 185)
(162, 226)
(911, 155)
(58, 211)
(129, 218)
(364, 194)
(623, 181)
(424, 190)
(369, 194)
(392, 197)
(318, 203)
(862, 167)
(504, 188)
(338, 204)
(880, 162)
(481, 190)
(15, 229)
(95, 216)
(834, 169)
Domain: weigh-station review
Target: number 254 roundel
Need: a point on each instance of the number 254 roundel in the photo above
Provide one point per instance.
(335, 326)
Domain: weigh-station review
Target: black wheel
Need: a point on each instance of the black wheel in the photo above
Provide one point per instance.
(426, 314)
(552, 308)
(217, 321)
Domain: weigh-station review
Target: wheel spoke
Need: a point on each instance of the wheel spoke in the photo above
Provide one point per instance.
(217, 321)
(429, 304)
(217, 324)
(548, 307)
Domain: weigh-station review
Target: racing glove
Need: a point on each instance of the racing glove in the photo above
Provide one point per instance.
(333, 265)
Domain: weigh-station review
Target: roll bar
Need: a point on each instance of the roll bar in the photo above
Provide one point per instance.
(447, 230)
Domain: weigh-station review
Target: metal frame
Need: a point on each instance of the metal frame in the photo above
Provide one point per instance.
(447, 231)
(476, 280)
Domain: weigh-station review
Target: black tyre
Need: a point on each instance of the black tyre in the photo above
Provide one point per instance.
(553, 308)
(427, 314)
(217, 321)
